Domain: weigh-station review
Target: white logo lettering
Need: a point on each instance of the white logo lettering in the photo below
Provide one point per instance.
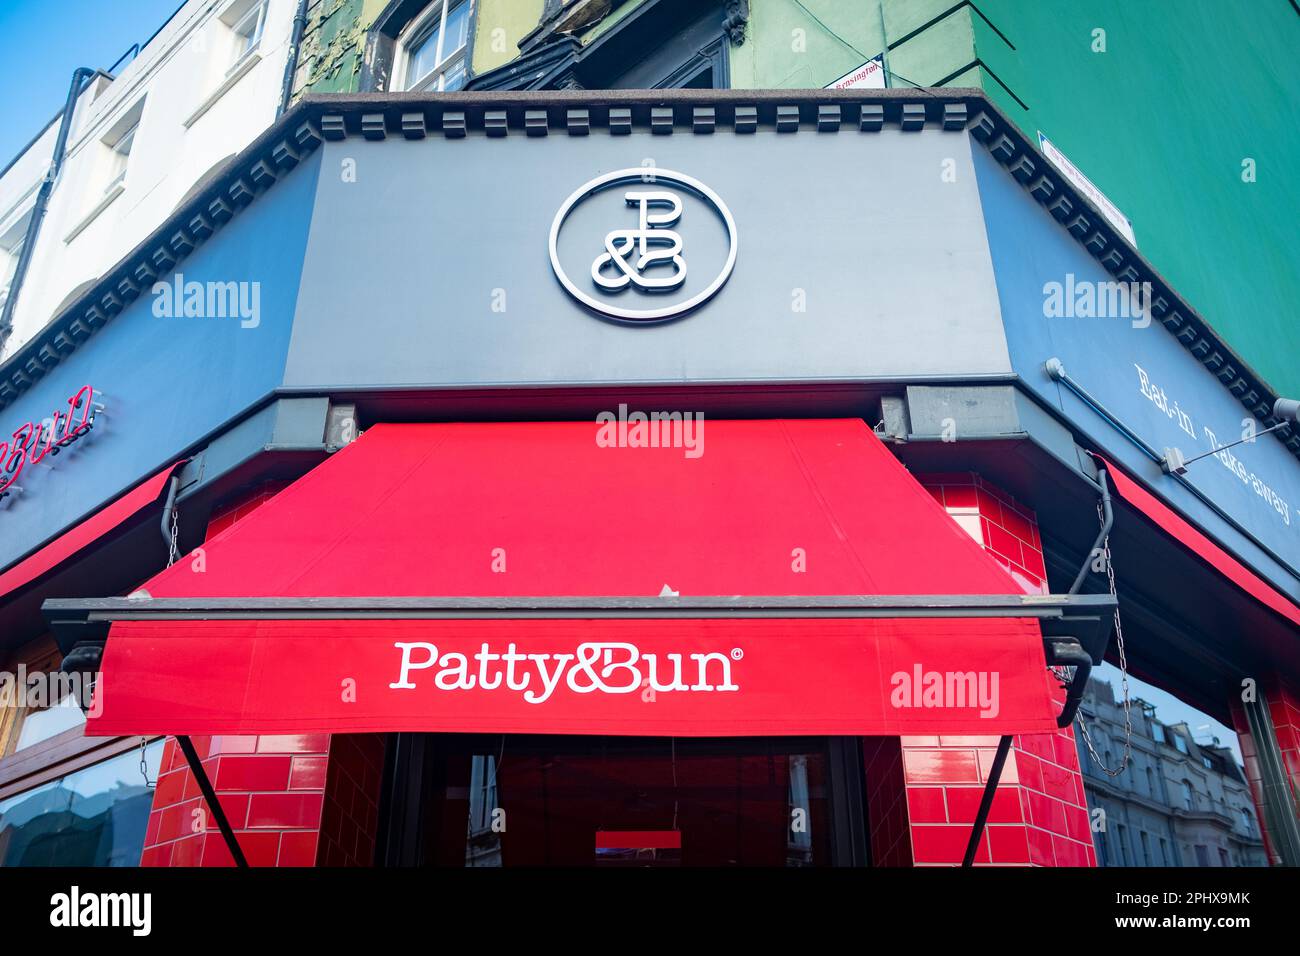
(611, 667)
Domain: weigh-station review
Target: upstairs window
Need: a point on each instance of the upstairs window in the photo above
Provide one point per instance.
(1180, 743)
(120, 154)
(247, 20)
(434, 48)
(1158, 732)
(13, 234)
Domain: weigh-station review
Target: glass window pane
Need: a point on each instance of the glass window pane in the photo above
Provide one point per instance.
(423, 57)
(457, 29)
(94, 817)
(41, 725)
(454, 78)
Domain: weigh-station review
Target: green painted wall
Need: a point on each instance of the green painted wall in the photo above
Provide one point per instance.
(1161, 122)
(332, 45)
(500, 25)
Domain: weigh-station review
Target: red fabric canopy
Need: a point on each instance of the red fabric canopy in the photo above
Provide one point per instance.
(86, 533)
(1182, 532)
(768, 508)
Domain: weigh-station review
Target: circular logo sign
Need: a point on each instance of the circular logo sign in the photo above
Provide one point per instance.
(653, 257)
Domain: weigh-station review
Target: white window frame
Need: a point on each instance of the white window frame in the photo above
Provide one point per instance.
(256, 12)
(123, 158)
(417, 32)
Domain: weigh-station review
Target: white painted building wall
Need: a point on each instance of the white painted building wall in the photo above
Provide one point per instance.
(197, 101)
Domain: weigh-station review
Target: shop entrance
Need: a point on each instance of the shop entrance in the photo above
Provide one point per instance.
(458, 800)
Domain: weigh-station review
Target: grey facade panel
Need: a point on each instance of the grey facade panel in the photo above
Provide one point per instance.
(856, 260)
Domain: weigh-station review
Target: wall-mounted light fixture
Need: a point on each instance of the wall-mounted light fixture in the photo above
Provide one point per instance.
(1287, 410)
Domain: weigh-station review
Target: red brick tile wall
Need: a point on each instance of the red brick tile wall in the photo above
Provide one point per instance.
(272, 789)
(350, 822)
(1039, 815)
(293, 800)
(1284, 710)
(887, 812)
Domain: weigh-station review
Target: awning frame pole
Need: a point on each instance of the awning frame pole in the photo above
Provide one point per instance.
(986, 803)
(210, 798)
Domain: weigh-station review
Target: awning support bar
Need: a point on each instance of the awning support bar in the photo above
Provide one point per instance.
(986, 803)
(210, 798)
(1108, 519)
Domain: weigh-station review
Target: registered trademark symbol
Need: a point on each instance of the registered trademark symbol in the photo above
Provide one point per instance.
(737, 653)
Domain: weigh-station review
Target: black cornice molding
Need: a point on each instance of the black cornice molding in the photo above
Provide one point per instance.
(581, 112)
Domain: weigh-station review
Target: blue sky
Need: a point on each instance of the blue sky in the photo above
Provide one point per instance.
(48, 39)
(1171, 710)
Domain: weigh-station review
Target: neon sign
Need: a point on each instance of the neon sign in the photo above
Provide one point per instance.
(32, 442)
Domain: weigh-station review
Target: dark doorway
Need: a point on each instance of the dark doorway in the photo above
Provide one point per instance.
(623, 801)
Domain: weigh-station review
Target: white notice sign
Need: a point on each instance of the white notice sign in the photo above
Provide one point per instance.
(868, 76)
(1082, 183)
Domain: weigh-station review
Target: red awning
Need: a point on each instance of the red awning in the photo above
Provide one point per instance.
(1200, 545)
(499, 510)
(88, 532)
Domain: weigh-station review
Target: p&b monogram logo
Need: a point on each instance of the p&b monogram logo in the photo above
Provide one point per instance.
(622, 244)
(650, 258)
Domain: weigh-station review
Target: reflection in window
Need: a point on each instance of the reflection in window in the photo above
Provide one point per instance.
(93, 817)
(248, 33)
(483, 842)
(436, 51)
(39, 725)
(799, 849)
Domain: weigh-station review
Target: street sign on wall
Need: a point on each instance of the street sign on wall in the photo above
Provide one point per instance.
(868, 76)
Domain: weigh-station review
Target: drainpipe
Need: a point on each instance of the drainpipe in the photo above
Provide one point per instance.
(291, 67)
(79, 77)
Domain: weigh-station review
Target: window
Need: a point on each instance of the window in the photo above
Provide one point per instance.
(434, 53)
(93, 817)
(1247, 820)
(1189, 796)
(1146, 847)
(28, 715)
(1223, 857)
(248, 33)
(1202, 855)
(1164, 852)
(1122, 837)
(1151, 783)
(121, 150)
(1180, 743)
(9, 256)
(1209, 764)
(118, 142)
(1158, 732)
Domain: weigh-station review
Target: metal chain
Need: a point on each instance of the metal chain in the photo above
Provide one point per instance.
(173, 550)
(144, 766)
(1123, 673)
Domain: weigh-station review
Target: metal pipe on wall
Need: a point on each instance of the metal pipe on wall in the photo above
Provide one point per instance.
(79, 77)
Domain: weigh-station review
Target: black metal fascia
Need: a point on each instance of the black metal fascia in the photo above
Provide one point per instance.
(1049, 607)
(1074, 627)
